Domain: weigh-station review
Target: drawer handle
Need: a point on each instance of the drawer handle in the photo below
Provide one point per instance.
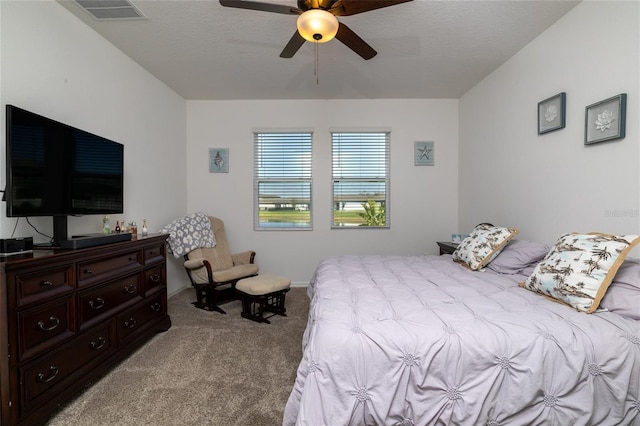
(156, 307)
(99, 344)
(130, 323)
(152, 253)
(55, 322)
(155, 278)
(46, 283)
(88, 271)
(131, 288)
(53, 372)
(97, 304)
(133, 259)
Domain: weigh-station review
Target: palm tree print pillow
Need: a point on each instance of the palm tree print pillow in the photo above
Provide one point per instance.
(483, 244)
(579, 268)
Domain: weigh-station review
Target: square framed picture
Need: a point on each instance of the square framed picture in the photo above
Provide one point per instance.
(552, 113)
(424, 153)
(605, 120)
(218, 160)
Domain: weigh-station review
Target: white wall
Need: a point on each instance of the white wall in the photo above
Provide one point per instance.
(423, 199)
(56, 66)
(51, 63)
(551, 184)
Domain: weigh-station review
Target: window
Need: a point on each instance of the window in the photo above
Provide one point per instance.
(360, 179)
(282, 180)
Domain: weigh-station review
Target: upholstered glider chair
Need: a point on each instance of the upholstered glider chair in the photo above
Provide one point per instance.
(214, 271)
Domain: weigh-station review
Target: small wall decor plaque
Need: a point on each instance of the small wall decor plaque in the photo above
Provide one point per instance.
(605, 120)
(218, 160)
(552, 113)
(424, 153)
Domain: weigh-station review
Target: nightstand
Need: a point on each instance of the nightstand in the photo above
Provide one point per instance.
(447, 247)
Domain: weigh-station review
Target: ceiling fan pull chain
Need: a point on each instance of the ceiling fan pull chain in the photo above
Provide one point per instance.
(315, 62)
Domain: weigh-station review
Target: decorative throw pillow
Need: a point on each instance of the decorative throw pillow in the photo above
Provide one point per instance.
(580, 267)
(517, 255)
(482, 245)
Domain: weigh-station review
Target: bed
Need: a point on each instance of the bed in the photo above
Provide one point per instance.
(424, 340)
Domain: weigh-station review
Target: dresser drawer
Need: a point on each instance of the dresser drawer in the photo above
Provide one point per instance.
(154, 254)
(45, 284)
(42, 375)
(104, 268)
(41, 328)
(98, 302)
(154, 279)
(137, 318)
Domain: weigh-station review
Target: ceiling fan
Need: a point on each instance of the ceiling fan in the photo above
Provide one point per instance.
(317, 21)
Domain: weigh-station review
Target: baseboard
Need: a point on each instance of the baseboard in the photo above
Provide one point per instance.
(172, 293)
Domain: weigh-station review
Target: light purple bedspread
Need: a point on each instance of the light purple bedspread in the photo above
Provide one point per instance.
(420, 340)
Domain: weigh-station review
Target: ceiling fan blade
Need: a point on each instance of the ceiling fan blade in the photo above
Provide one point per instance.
(354, 42)
(263, 7)
(352, 7)
(295, 43)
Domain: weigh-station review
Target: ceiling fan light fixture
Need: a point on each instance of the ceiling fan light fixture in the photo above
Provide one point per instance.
(317, 25)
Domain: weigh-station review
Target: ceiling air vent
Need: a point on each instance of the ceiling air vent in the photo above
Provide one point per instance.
(104, 10)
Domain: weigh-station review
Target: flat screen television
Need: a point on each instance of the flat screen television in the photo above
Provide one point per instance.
(54, 169)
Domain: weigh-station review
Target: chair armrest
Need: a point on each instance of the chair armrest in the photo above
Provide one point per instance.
(194, 263)
(243, 258)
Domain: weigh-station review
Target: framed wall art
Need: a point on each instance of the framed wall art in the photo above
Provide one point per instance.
(552, 113)
(218, 160)
(424, 153)
(605, 120)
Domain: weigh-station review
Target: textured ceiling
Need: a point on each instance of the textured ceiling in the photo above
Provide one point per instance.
(426, 48)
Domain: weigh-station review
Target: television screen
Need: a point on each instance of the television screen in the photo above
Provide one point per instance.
(96, 175)
(56, 170)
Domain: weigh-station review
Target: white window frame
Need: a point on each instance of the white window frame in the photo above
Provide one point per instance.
(277, 166)
(361, 145)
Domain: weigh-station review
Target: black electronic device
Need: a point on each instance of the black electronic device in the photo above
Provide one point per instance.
(15, 246)
(92, 240)
(57, 170)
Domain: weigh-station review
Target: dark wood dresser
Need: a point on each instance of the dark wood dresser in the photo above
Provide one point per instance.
(68, 316)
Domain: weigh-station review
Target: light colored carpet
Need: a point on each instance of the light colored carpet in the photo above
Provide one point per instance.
(207, 369)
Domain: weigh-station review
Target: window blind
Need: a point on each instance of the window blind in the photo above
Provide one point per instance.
(360, 175)
(282, 180)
